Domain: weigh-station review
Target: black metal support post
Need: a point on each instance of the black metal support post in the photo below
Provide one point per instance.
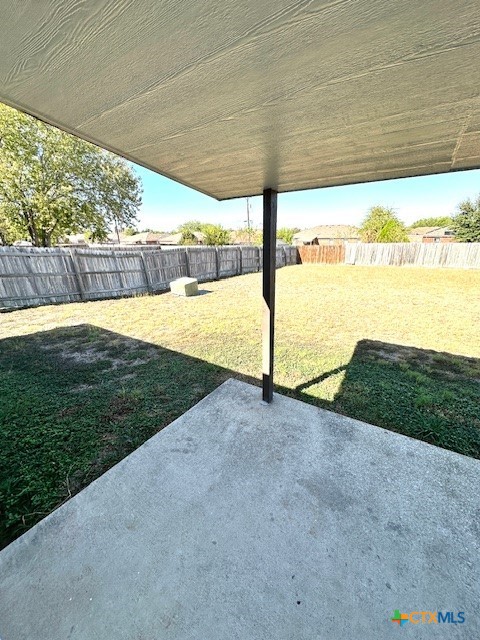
(269, 265)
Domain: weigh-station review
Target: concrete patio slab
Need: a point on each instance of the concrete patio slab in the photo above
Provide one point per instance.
(251, 521)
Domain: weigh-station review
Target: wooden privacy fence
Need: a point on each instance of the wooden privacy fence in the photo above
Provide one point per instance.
(324, 254)
(32, 276)
(464, 255)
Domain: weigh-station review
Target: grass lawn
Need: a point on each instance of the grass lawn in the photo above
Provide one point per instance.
(82, 385)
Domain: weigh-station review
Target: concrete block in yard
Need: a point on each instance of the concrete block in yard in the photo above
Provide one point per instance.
(184, 287)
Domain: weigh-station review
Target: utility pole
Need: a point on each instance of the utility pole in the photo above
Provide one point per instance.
(248, 213)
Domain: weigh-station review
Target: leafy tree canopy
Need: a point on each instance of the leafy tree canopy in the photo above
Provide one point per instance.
(382, 225)
(466, 222)
(130, 231)
(53, 184)
(214, 234)
(248, 235)
(190, 227)
(440, 221)
(286, 234)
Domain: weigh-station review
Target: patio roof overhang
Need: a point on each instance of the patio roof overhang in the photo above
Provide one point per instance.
(234, 97)
(243, 98)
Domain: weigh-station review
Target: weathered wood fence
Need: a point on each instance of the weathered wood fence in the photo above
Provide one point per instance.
(32, 276)
(459, 255)
(322, 254)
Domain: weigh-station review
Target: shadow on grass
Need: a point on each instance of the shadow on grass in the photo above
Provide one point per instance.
(76, 400)
(428, 395)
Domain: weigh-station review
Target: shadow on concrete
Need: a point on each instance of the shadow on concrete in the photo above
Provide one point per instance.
(76, 400)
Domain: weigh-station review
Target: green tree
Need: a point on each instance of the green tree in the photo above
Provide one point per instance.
(286, 234)
(214, 234)
(188, 238)
(382, 225)
(53, 184)
(248, 235)
(9, 231)
(188, 230)
(439, 221)
(190, 227)
(466, 222)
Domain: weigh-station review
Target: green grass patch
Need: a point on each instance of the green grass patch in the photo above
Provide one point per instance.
(83, 385)
(76, 401)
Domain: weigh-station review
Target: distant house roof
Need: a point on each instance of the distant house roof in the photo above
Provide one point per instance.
(176, 238)
(74, 238)
(327, 232)
(421, 231)
(440, 232)
(113, 237)
(173, 238)
(200, 236)
(147, 237)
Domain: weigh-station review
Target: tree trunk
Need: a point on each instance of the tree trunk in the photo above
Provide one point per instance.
(3, 238)
(31, 227)
(32, 232)
(46, 238)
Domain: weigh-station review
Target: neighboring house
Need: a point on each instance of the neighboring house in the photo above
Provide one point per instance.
(442, 234)
(172, 239)
(416, 234)
(114, 238)
(146, 237)
(176, 238)
(74, 240)
(78, 240)
(327, 234)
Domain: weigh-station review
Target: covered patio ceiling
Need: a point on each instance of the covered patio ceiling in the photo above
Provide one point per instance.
(234, 97)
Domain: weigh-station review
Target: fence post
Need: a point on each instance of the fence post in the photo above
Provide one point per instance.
(187, 262)
(240, 262)
(217, 262)
(78, 274)
(145, 270)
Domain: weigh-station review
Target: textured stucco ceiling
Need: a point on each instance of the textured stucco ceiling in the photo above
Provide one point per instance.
(231, 97)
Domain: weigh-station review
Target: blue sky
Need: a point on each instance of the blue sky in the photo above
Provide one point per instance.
(166, 204)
